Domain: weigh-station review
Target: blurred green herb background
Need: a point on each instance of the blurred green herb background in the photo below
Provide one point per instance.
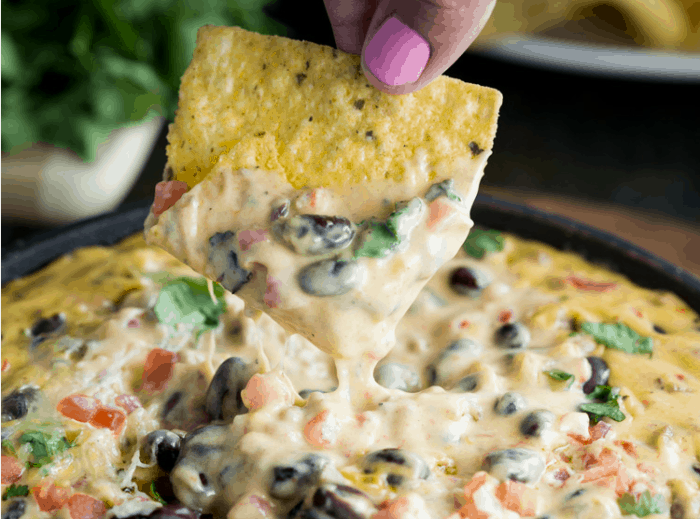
(73, 71)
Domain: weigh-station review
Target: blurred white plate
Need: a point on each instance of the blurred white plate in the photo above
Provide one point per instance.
(615, 61)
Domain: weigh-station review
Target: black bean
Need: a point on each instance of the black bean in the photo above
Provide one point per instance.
(17, 404)
(452, 360)
(163, 446)
(311, 234)
(575, 494)
(537, 422)
(512, 336)
(658, 329)
(393, 375)
(469, 383)
(397, 462)
(696, 468)
(468, 281)
(295, 511)
(523, 465)
(600, 373)
(296, 478)
(342, 502)
(280, 211)
(224, 259)
(15, 509)
(47, 327)
(510, 403)
(175, 511)
(223, 399)
(330, 277)
(171, 403)
(677, 511)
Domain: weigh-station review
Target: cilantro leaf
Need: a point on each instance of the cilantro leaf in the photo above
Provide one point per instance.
(608, 405)
(15, 491)
(481, 241)
(560, 375)
(378, 242)
(156, 495)
(44, 446)
(619, 337)
(8, 445)
(187, 301)
(444, 188)
(646, 505)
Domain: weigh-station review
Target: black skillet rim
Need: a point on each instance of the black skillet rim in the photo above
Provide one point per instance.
(596, 246)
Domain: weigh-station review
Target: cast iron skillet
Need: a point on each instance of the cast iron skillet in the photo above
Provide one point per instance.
(596, 246)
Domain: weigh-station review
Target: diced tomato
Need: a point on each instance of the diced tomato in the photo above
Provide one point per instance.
(248, 238)
(395, 509)
(599, 430)
(469, 510)
(80, 408)
(5, 365)
(133, 323)
(167, 194)
(562, 475)
(517, 497)
(158, 369)
(108, 418)
(49, 497)
(12, 470)
(628, 447)
(505, 316)
(128, 402)
(272, 292)
(313, 430)
(587, 284)
(605, 465)
(82, 506)
(438, 211)
(262, 390)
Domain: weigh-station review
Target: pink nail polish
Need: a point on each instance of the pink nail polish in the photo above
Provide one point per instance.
(396, 54)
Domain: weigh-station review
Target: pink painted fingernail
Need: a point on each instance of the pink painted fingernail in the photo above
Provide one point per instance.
(396, 54)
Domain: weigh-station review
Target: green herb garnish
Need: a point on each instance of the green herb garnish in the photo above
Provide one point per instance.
(156, 495)
(619, 337)
(560, 375)
(73, 73)
(15, 491)
(378, 242)
(44, 446)
(481, 241)
(187, 301)
(608, 405)
(646, 505)
(444, 188)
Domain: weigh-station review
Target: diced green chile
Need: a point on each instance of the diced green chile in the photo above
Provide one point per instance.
(406, 218)
(519, 464)
(393, 375)
(311, 234)
(19, 402)
(444, 188)
(510, 403)
(294, 479)
(224, 259)
(223, 399)
(330, 277)
(377, 240)
(513, 336)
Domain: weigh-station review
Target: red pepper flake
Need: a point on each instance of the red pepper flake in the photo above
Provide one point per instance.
(680, 376)
(82, 506)
(681, 310)
(80, 408)
(167, 194)
(5, 365)
(361, 418)
(128, 402)
(505, 316)
(49, 497)
(312, 199)
(158, 369)
(11, 470)
(464, 324)
(108, 418)
(646, 403)
(587, 284)
(637, 313)
(133, 323)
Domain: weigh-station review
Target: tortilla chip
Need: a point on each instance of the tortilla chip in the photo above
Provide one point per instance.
(307, 111)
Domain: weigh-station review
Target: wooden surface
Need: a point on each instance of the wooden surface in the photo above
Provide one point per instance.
(675, 240)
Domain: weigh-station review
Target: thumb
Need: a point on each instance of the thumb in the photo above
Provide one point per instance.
(411, 42)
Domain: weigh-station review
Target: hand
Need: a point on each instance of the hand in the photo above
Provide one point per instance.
(405, 44)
